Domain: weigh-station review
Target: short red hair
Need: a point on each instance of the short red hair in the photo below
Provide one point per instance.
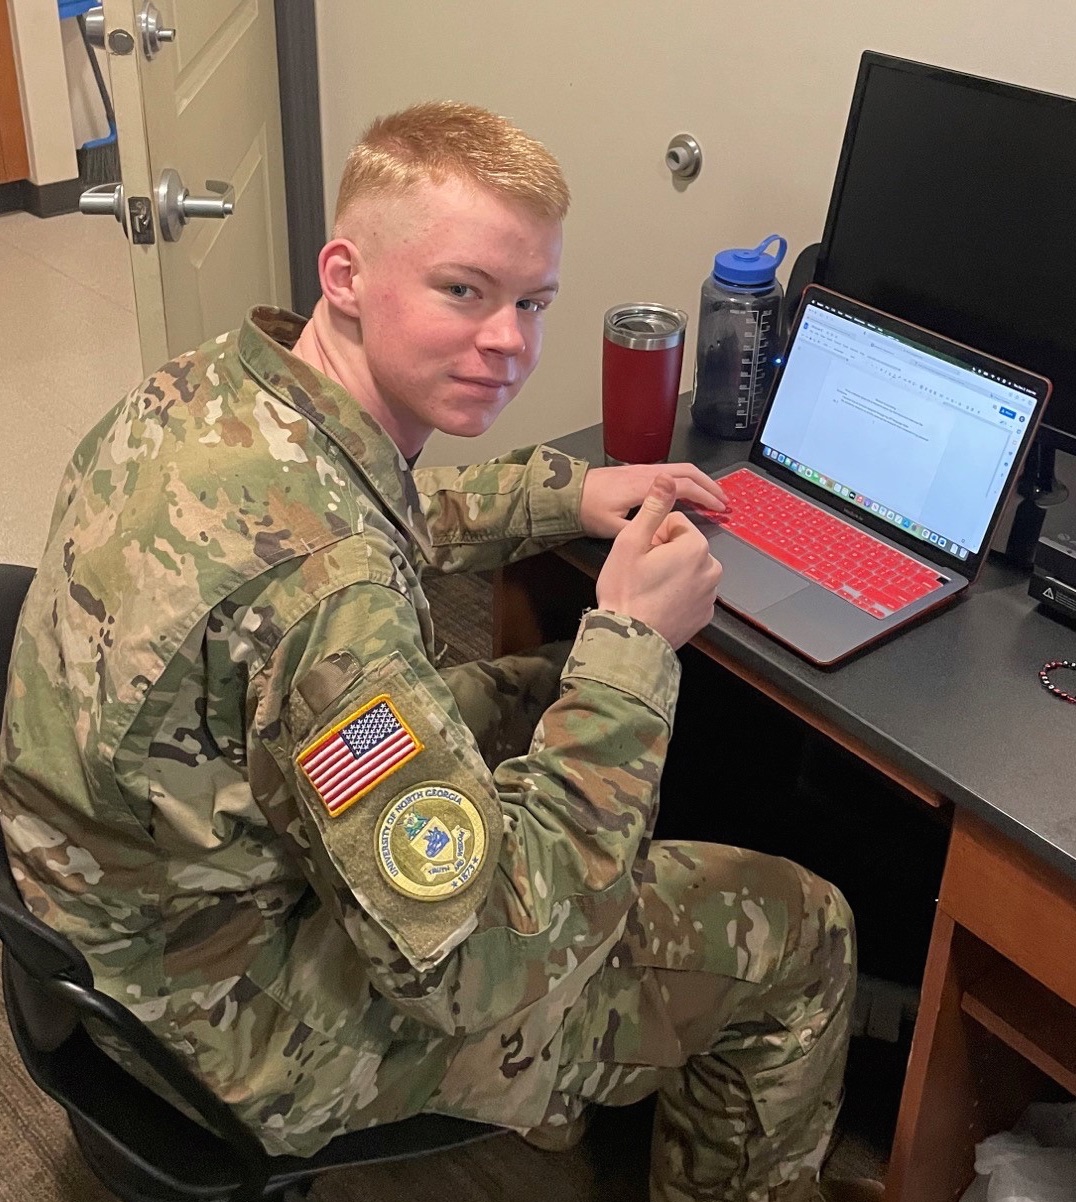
(440, 140)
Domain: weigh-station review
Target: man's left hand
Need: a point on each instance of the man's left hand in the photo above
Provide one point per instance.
(610, 493)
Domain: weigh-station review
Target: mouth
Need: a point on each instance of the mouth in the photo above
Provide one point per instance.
(484, 382)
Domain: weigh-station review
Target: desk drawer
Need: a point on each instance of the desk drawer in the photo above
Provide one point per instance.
(1011, 900)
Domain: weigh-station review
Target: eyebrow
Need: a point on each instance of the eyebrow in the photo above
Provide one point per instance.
(552, 287)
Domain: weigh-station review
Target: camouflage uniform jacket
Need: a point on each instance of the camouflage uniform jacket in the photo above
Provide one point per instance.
(231, 583)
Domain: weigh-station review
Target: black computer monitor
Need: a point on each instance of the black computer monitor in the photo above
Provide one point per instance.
(954, 206)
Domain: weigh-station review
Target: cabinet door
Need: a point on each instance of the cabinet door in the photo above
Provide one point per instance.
(14, 163)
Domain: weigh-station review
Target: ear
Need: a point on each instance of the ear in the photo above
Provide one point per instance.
(338, 266)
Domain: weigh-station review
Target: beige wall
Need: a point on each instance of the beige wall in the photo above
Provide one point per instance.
(46, 108)
(606, 83)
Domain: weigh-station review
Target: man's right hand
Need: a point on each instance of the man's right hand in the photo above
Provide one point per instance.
(660, 569)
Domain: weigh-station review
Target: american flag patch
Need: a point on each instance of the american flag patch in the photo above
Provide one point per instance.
(357, 754)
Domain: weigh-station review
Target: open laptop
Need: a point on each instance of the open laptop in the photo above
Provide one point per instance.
(880, 468)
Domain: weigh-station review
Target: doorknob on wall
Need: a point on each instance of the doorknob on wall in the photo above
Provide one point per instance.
(176, 206)
(684, 157)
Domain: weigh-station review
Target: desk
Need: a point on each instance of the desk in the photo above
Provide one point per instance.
(951, 710)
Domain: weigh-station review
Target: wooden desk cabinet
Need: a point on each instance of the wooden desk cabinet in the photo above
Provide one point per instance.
(997, 1018)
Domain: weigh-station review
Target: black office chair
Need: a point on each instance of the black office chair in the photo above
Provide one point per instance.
(14, 581)
(139, 1145)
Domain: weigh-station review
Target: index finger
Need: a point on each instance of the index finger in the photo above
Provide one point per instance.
(689, 472)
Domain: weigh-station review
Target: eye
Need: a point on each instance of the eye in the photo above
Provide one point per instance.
(531, 306)
(462, 291)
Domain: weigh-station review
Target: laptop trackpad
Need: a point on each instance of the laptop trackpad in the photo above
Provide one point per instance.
(750, 580)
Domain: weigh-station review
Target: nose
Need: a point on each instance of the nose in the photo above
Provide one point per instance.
(502, 334)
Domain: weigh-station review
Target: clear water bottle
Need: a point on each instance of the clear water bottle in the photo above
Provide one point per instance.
(739, 335)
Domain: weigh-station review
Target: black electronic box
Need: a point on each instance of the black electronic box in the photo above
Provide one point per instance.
(1053, 575)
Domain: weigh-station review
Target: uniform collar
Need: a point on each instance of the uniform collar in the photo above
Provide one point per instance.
(265, 341)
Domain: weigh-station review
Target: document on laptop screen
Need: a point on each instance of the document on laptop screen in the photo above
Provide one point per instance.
(921, 439)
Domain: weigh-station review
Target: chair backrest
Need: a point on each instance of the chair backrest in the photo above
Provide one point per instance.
(40, 955)
(14, 581)
(50, 996)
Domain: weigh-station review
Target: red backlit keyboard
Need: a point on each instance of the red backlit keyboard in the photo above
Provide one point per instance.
(861, 569)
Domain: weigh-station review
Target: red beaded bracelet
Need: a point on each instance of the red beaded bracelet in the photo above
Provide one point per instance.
(1048, 684)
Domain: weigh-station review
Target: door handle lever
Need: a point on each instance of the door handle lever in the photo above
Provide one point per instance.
(176, 206)
(104, 200)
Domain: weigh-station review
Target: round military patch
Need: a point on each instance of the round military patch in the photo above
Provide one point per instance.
(431, 842)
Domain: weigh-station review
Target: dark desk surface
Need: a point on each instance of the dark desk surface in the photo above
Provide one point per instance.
(955, 702)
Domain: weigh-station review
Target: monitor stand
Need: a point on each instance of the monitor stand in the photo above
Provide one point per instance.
(1037, 491)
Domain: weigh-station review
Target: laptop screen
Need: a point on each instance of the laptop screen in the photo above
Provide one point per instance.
(897, 426)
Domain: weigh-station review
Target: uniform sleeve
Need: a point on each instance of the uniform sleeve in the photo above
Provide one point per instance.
(470, 894)
(76, 468)
(489, 514)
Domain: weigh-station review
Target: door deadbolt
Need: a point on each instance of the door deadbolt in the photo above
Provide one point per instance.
(152, 31)
(93, 21)
(120, 42)
(176, 206)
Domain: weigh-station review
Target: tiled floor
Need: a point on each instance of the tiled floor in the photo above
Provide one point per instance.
(68, 351)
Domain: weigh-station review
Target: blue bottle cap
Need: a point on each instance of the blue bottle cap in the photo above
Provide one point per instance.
(749, 267)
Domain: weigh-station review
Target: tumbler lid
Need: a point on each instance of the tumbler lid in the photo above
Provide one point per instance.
(641, 326)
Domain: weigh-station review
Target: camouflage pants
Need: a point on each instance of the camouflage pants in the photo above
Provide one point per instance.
(729, 995)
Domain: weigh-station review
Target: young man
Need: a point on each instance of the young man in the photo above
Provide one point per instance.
(346, 885)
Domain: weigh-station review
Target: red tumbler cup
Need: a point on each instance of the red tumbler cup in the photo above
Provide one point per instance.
(642, 354)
